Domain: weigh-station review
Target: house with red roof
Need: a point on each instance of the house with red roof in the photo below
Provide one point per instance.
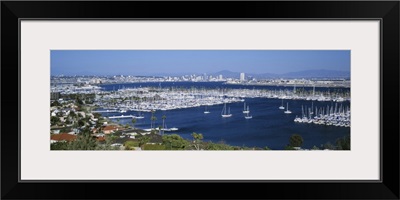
(110, 129)
(62, 137)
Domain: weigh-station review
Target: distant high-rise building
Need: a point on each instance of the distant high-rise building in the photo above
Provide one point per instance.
(242, 76)
(220, 77)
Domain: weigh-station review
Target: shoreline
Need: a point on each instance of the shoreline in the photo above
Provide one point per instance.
(290, 85)
(227, 83)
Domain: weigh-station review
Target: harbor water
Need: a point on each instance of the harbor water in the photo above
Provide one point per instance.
(269, 125)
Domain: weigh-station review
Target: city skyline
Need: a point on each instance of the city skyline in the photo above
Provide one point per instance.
(170, 62)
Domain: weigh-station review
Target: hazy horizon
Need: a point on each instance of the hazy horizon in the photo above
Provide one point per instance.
(156, 62)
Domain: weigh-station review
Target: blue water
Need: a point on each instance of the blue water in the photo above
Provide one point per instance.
(212, 85)
(268, 127)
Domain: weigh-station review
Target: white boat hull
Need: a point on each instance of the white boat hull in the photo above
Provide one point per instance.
(122, 116)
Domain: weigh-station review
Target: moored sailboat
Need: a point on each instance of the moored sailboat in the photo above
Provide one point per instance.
(206, 111)
(287, 111)
(247, 114)
(224, 113)
(244, 109)
(282, 107)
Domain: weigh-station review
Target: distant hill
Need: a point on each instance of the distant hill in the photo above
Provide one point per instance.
(227, 73)
(265, 75)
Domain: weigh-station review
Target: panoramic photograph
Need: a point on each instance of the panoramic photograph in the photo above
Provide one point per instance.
(141, 100)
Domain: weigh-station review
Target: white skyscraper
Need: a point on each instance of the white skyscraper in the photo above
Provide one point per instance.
(220, 77)
(242, 76)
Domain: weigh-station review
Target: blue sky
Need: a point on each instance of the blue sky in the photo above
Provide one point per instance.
(155, 62)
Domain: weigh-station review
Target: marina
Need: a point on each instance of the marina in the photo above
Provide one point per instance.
(250, 118)
(145, 97)
(217, 99)
(269, 125)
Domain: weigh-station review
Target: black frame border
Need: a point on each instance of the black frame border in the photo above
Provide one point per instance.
(386, 11)
(205, 19)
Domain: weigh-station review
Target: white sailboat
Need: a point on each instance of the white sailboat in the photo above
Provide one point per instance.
(244, 109)
(247, 114)
(282, 107)
(206, 111)
(139, 117)
(287, 111)
(224, 113)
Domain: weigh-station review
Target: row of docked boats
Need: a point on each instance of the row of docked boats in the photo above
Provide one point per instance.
(329, 116)
(147, 99)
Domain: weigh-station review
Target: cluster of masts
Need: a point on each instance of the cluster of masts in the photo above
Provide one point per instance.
(172, 98)
(168, 99)
(330, 116)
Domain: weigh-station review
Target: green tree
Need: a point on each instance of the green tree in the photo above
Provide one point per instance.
(197, 140)
(98, 124)
(59, 146)
(133, 122)
(217, 146)
(143, 140)
(328, 145)
(54, 120)
(175, 142)
(67, 121)
(55, 103)
(72, 114)
(153, 119)
(153, 147)
(343, 143)
(163, 123)
(107, 145)
(288, 147)
(96, 115)
(295, 140)
(79, 101)
(84, 141)
(81, 122)
(315, 148)
(65, 130)
(130, 145)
